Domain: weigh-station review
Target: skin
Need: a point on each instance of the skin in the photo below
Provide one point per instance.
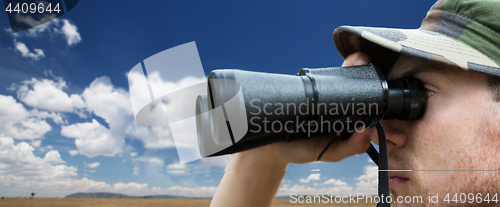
(457, 132)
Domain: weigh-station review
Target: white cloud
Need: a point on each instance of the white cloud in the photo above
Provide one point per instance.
(155, 137)
(368, 182)
(52, 27)
(189, 169)
(160, 136)
(93, 165)
(136, 171)
(151, 160)
(21, 172)
(93, 139)
(48, 95)
(55, 116)
(103, 100)
(302, 180)
(108, 102)
(176, 167)
(17, 122)
(64, 187)
(36, 143)
(19, 161)
(111, 104)
(315, 176)
(207, 181)
(73, 152)
(46, 148)
(25, 52)
(332, 181)
(10, 108)
(176, 110)
(53, 157)
(29, 128)
(133, 154)
(70, 32)
(55, 27)
(220, 161)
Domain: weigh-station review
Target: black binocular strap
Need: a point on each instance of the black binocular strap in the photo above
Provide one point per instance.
(383, 167)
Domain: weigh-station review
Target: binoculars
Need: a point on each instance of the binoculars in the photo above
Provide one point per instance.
(244, 109)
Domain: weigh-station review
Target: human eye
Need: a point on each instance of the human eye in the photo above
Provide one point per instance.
(428, 93)
(429, 90)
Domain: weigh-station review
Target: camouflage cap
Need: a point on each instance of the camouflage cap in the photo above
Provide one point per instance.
(462, 33)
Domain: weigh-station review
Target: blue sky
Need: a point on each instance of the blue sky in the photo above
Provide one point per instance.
(66, 124)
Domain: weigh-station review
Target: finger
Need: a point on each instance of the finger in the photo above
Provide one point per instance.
(357, 58)
(358, 143)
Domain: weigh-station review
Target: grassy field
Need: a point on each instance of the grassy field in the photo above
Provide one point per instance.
(81, 202)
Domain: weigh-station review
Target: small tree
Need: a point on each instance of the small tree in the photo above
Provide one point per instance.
(32, 195)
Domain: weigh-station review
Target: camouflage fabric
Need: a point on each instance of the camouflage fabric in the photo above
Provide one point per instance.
(462, 33)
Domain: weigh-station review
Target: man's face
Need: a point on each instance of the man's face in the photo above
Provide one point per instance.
(458, 131)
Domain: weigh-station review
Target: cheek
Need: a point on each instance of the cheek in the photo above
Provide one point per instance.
(444, 133)
(442, 140)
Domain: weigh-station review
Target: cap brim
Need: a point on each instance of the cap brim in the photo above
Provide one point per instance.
(423, 44)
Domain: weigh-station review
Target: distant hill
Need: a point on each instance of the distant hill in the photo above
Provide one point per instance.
(282, 197)
(116, 195)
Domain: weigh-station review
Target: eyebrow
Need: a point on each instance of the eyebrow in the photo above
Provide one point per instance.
(424, 68)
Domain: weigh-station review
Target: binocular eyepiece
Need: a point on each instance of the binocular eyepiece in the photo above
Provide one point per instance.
(244, 109)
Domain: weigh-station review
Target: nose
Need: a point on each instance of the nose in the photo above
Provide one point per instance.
(394, 132)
